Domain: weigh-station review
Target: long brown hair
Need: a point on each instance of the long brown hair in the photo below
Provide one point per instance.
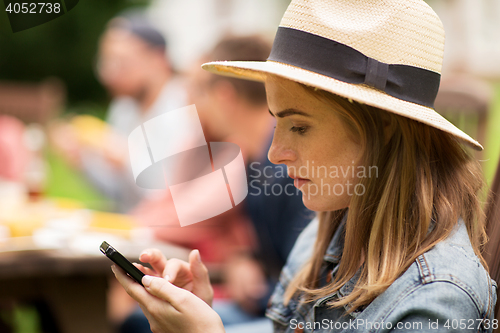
(425, 176)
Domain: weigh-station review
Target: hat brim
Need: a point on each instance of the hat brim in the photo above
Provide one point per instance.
(258, 71)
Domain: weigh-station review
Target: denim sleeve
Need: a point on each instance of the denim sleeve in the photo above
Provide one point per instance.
(441, 306)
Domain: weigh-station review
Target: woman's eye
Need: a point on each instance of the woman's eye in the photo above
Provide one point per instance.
(299, 129)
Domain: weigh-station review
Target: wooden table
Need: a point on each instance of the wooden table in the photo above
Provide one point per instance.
(72, 285)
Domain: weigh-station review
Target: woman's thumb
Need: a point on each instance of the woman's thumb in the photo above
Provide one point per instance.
(201, 279)
(198, 269)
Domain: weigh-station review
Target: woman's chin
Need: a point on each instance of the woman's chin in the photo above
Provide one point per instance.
(314, 204)
(321, 204)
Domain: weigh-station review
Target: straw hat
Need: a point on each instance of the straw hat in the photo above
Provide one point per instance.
(387, 54)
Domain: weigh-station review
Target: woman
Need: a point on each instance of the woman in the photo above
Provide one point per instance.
(396, 246)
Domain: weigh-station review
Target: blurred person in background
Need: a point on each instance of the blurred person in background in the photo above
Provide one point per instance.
(22, 167)
(13, 153)
(224, 111)
(14, 161)
(233, 110)
(133, 65)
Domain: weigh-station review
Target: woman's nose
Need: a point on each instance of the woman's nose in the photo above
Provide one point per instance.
(280, 153)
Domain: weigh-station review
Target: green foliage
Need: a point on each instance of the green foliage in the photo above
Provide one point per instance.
(21, 318)
(64, 182)
(492, 144)
(26, 320)
(64, 47)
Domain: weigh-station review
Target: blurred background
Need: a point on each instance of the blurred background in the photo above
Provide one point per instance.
(57, 105)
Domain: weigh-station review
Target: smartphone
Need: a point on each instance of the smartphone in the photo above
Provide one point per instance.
(122, 262)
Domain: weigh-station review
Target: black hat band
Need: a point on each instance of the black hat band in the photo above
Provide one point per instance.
(339, 61)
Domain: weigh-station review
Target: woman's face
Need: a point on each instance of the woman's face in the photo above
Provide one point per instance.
(314, 143)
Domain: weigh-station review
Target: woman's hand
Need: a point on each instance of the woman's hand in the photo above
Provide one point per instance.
(192, 276)
(169, 307)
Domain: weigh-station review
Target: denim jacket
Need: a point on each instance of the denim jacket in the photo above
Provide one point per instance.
(445, 290)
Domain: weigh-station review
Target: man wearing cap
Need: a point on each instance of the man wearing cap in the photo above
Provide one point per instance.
(134, 67)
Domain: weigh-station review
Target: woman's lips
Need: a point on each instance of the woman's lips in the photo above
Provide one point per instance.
(299, 182)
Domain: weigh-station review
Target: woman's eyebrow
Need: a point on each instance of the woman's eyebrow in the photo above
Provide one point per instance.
(289, 112)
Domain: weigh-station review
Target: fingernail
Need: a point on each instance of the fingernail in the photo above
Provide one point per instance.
(113, 269)
(146, 280)
(198, 255)
(145, 252)
(167, 278)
